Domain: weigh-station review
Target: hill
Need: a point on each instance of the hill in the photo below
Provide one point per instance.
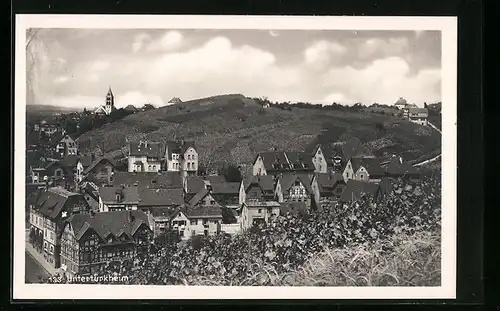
(231, 129)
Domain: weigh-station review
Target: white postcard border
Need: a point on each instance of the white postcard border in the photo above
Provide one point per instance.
(448, 27)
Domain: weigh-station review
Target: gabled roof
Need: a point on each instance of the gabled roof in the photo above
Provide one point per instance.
(354, 189)
(327, 181)
(198, 197)
(96, 162)
(175, 100)
(148, 179)
(280, 161)
(266, 182)
(372, 165)
(399, 168)
(194, 184)
(149, 149)
(287, 182)
(129, 195)
(69, 161)
(228, 188)
(178, 147)
(202, 212)
(55, 139)
(51, 202)
(109, 223)
(160, 197)
(213, 179)
(131, 108)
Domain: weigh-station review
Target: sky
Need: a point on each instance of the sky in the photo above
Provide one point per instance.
(75, 67)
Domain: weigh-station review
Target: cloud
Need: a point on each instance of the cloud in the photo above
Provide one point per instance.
(322, 53)
(384, 81)
(139, 41)
(99, 65)
(376, 47)
(274, 33)
(168, 42)
(75, 101)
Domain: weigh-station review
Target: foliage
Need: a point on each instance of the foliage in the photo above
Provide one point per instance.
(231, 173)
(288, 243)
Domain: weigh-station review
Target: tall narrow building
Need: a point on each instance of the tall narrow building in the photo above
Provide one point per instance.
(109, 107)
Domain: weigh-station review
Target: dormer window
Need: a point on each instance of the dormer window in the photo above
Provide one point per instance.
(118, 197)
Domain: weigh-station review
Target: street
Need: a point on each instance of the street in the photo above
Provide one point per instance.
(33, 270)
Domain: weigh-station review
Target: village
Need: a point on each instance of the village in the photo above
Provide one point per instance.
(85, 211)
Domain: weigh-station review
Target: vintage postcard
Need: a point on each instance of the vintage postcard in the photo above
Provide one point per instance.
(278, 157)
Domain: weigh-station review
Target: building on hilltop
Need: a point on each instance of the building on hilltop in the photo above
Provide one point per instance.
(131, 109)
(417, 115)
(144, 156)
(175, 100)
(181, 156)
(91, 242)
(109, 106)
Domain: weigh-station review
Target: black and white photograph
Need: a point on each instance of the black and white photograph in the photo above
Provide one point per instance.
(279, 157)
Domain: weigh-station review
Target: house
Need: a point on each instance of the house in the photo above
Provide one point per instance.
(417, 115)
(363, 169)
(38, 174)
(325, 159)
(279, 162)
(193, 185)
(257, 189)
(61, 144)
(91, 242)
(64, 170)
(254, 213)
(295, 188)
(102, 169)
(356, 189)
(144, 156)
(401, 103)
(204, 198)
(131, 109)
(47, 213)
(109, 107)
(90, 193)
(398, 168)
(175, 100)
(165, 180)
(48, 127)
(118, 198)
(327, 187)
(160, 205)
(181, 156)
(226, 193)
(189, 221)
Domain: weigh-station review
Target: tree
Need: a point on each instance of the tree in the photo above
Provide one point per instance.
(425, 105)
(232, 173)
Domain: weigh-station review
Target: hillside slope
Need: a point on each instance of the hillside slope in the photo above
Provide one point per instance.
(231, 129)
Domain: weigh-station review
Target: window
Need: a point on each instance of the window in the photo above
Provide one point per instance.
(361, 176)
(154, 167)
(212, 202)
(189, 165)
(259, 211)
(189, 157)
(181, 233)
(193, 233)
(149, 167)
(193, 221)
(58, 173)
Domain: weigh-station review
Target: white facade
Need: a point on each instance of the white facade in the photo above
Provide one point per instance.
(108, 207)
(258, 167)
(319, 161)
(192, 226)
(187, 162)
(146, 164)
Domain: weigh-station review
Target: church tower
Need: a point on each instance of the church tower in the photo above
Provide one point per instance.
(110, 102)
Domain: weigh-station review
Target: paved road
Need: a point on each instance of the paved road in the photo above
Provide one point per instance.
(33, 270)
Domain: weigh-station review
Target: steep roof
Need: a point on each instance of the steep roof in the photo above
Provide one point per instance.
(86, 160)
(148, 179)
(115, 223)
(175, 100)
(213, 179)
(96, 162)
(160, 197)
(229, 188)
(299, 160)
(129, 195)
(178, 147)
(354, 189)
(51, 202)
(203, 212)
(372, 165)
(194, 184)
(69, 161)
(326, 181)
(199, 196)
(55, 138)
(266, 182)
(142, 148)
(287, 182)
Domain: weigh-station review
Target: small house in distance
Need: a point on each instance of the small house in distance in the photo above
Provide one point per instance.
(175, 100)
(131, 109)
(417, 115)
(364, 169)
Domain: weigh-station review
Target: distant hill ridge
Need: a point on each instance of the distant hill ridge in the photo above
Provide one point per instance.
(232, 128)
